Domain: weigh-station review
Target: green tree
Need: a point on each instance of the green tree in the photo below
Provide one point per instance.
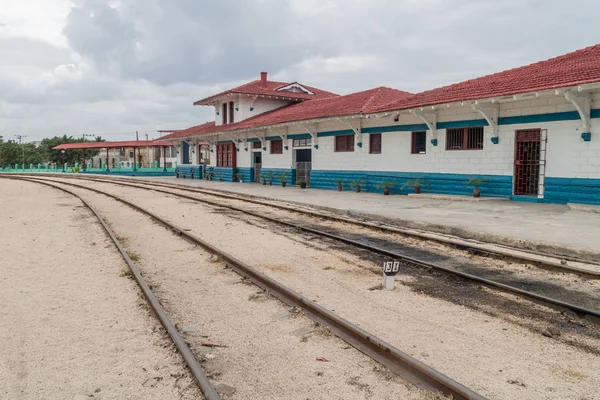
(12, 153)
(71, 156)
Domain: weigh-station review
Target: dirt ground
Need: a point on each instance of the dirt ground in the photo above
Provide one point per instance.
(71, 327)
(493, 355)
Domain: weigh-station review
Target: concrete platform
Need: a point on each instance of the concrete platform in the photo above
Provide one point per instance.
(553, 227)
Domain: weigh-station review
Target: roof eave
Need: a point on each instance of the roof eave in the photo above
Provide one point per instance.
(504, 98)
(209, 101)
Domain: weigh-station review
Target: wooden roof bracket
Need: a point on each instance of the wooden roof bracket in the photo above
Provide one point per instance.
(583, 105)
(357, 130)
(283, 137)
(430, 119)
(261, 138)
(239, 139)
(312, 132)
(252, 100)
(491, 113)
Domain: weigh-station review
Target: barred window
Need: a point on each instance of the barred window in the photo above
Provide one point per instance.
(464, 138)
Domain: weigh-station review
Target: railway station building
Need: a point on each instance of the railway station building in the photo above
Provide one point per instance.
(531, 133)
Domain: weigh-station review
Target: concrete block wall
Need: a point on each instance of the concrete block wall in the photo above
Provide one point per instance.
(572, 164)
(278, 172)
(494, 159)
(244, 157)
(247, 174)
(494, 186)
(281, 161)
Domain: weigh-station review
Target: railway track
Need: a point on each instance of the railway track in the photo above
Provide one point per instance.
(414, 261)
(192, 363)
(401, 363)
(541, 259)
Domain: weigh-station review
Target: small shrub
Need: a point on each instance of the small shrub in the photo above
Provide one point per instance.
(386, 184)
(475, 181)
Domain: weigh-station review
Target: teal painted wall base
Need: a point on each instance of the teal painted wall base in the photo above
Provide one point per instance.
(572, 190)
(224, 173)
(247, 174)
(130, 173)
(495, 186)
(190, 170)
(291, 175)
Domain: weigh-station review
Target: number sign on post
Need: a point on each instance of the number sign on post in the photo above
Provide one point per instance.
(390, 269)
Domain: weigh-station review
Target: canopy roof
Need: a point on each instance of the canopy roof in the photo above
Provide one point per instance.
(110, 145)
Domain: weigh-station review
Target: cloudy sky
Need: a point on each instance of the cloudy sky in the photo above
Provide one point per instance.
(113, 67)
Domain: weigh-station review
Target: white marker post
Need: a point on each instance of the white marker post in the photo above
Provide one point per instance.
(390, 269)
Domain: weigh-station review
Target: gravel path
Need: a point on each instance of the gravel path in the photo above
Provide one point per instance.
(496, 357)
(70, 326)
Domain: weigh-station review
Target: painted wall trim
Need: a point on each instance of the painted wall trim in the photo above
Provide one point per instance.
(522, 119)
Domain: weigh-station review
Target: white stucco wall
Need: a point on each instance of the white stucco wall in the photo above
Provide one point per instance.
(567, 155)
(243, 104)
(244, 158)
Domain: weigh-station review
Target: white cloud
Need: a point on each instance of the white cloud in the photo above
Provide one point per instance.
(118, 66)
(35, 19)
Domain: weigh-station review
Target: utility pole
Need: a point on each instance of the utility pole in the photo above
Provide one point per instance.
(136, 136)
(20, 137)
(84, 165)
(146, 137)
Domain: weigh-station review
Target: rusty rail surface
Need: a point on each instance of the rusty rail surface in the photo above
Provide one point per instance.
(479, 247)
(421, 263)
(193, 364)
(397, 361)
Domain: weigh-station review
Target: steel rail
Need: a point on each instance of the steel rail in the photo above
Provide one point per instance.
(412, 260)
(397, 361)
(459, 243)
(196, 369)
(421, 263)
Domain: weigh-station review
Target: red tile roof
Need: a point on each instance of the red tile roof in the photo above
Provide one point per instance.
(111, 145)
(205, 128)
(576, 68)
(354, 103)
(270, 89)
